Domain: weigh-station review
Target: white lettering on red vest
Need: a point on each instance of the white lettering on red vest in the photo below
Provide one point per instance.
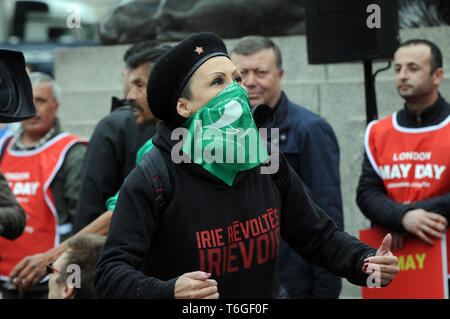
(421, 171)
(411, 162)
(24, 188)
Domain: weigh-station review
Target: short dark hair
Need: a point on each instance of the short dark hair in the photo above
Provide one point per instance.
(84, 251)
(138, 47)
(187, 92)
(436, 55)
(253, 43)
(148, 52)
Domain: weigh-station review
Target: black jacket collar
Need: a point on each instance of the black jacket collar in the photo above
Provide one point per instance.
(432, 115)
(281, 112)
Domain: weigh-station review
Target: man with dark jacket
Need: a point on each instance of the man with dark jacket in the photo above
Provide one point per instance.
(117, 137)
(311, 148)
(405, 181)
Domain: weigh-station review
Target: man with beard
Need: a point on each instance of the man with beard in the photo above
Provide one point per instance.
(404, 186)
(118, 136)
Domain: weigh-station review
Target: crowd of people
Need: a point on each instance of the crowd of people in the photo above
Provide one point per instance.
(119, 217)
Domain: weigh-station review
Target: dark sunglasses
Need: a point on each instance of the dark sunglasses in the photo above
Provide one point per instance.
(51, 269)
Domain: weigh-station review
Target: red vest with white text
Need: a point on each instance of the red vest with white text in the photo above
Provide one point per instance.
(414, 163)
(30, 174)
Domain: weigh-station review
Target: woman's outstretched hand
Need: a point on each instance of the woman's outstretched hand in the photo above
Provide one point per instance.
(384, 265)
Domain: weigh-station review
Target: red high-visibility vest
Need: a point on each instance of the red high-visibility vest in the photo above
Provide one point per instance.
(30, 174)
(414, 163)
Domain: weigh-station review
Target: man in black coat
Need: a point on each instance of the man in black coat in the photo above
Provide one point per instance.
(117, 137)
(311, 148)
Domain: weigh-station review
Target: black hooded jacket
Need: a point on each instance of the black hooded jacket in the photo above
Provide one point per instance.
(231, 232)
(110, 157)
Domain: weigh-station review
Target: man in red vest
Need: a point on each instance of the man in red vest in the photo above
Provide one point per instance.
(405, 181)
(43, 167)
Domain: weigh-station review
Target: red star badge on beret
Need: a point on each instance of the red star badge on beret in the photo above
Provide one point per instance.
(199, 50)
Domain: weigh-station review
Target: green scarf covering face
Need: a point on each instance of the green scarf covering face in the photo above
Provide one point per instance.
(223, 137)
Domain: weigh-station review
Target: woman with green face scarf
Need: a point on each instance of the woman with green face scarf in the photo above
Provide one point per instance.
(219, 234)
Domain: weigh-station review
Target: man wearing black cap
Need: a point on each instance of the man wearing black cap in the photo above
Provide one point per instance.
(219, 233)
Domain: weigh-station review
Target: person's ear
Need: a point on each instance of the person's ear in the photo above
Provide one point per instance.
(438, 75)
(68, 292)
(56, 107)
(183, 107)
(280, 74)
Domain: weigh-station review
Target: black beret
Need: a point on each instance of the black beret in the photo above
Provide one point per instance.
(174, 69)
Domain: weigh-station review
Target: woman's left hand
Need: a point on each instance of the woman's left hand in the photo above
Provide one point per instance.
(383, 266)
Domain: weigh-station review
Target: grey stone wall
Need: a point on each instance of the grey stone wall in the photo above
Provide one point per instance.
(90, 76)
